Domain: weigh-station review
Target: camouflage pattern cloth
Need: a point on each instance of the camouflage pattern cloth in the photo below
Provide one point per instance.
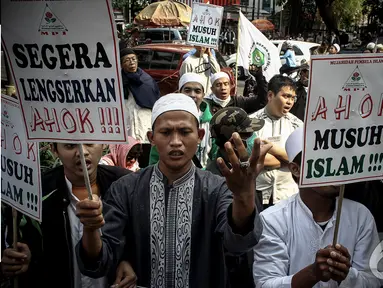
(233, 119)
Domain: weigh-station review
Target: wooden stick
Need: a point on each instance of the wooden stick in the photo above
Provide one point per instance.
(15, 240)
(85, 170)
(237, 56)
(338, 213)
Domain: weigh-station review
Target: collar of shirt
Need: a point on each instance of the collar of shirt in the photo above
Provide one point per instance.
(309, 214)
(73, 198)
(271, 116)
(179, 181)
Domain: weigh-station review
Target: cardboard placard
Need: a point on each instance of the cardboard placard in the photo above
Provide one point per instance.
(20, 165)
(205, 25)
(343, 137)
(66, 68)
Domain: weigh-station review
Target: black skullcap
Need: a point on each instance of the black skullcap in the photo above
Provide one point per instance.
(126, 51)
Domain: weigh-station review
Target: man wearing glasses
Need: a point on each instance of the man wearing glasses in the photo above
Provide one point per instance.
(275, 181)
(140, 93)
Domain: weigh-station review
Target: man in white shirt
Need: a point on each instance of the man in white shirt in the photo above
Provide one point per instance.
(203, 63)
(275, 181)
(295, 248)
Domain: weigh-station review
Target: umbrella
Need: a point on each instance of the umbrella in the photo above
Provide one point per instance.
(165, 13)
(263, 25)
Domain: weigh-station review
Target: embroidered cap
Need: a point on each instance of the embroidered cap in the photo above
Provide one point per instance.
(294, 144)
(191, 77)
(233, 119)
(174, 102)
(219, 75)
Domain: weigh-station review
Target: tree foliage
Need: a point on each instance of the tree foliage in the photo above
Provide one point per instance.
(374, 10)
(348, 12)
(136, 5)
(334, 13)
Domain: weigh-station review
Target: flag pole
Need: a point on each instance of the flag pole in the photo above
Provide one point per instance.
(237, 56)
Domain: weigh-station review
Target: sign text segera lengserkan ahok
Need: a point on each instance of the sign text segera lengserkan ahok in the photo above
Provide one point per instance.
(66, 70)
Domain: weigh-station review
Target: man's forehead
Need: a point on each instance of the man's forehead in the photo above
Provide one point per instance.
(192, 85)
(287, 90)
(175, 118)
(222, 80)
(129, 56)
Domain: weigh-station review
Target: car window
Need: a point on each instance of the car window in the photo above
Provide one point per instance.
(312, 49)
(164, 60)
(220, 60)
(155, 35)
(144, 58)
(169, 33)
(175, 61)
(298, 52)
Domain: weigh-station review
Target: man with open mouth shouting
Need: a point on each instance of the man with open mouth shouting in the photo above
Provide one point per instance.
(56, 237)
(173, 220)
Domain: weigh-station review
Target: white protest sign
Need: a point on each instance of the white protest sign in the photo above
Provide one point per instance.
(205, 25)
(344, 121)
(64, 58)
(20, 165)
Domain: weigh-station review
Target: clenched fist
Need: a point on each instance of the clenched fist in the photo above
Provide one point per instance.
(90, 213)
(15, 262)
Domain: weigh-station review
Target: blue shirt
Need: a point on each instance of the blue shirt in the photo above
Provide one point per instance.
(290, 58)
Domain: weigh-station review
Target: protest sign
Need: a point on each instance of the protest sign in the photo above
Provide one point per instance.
(343, 121)
(66, 69)
(20, 165)
(205, 25)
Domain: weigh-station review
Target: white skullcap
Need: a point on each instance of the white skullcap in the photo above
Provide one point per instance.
(370, 46)
(174, 102)
(219, 75)
(337, 47)
(294, 144)
(191, 77)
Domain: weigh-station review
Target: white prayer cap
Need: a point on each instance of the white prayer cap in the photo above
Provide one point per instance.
(337, 47)
(294, 144)
(191, 77)
(174, 102)
(370, 46)
(219, 75)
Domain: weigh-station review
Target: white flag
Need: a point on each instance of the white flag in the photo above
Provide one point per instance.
(255, 48)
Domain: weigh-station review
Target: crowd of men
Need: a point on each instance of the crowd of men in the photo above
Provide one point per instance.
(217, 206)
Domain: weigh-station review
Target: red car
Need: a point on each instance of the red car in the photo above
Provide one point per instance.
(163, 62)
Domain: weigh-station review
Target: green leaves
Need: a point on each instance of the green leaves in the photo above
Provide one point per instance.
(47, 158)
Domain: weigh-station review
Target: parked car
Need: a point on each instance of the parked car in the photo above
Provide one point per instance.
(303, 50)
(163, 62)
(159, 35)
